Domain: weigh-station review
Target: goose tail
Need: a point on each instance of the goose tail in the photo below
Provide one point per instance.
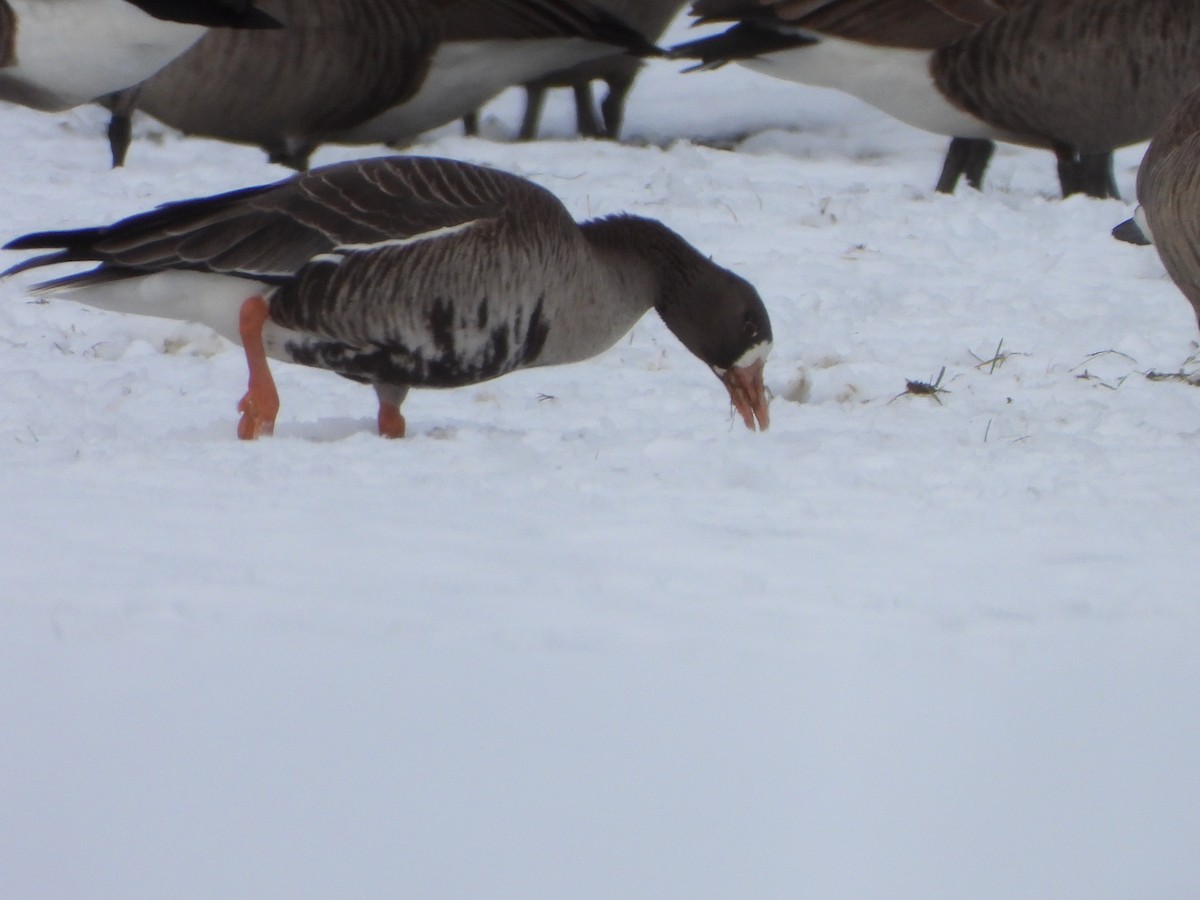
(211, 13)
(184, 295)
(68, 246)
(743, 41)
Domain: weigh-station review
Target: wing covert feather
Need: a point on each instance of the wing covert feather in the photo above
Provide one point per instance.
(270, 232)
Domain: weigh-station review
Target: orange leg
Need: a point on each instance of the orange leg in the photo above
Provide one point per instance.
(260, 406)
(391, 422)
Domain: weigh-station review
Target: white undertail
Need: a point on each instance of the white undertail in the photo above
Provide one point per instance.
(895, 80)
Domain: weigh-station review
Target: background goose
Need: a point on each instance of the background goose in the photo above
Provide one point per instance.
(618, 71)
(763, 30)
(55, 54)
(1168, 188)
(412, 272)
(337, 63)
(491, 45)
(1082, 77)
(364, 71)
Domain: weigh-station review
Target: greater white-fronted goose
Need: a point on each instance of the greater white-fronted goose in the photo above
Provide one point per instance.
(364, 71)
(1081, 77)
(408, 272)
(1168, 189)
(55, 54)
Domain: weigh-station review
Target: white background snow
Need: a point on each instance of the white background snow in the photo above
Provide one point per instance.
(582, 635)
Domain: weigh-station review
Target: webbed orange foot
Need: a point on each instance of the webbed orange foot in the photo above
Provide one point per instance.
(260, 405)
(391, 422)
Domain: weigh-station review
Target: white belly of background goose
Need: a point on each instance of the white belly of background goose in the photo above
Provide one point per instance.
(413, 272)
(895, 80)
(69, 52)
(463, 76)
(55, 54)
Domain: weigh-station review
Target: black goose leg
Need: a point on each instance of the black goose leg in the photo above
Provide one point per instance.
(120, 136)
(613, 108)
(1068, 170)
(1096, 177)
(535, 98)
(965, 156)
(120, 126)
(1086, 173)
(471, 123)
(977, 161)
(586, 122)
(292, 157)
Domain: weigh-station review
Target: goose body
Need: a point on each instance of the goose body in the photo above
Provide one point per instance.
(55, 54)
(490, 46)
(337, 63)
(1081, 77)
(414, 272)
(364, 71)
(1168, 188)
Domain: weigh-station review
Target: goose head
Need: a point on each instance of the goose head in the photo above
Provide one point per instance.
(720, 317)
(716, 314)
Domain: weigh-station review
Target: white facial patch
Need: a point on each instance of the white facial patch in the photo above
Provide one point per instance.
(758, 353)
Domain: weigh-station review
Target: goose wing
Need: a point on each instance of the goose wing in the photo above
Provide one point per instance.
(210, 13)
(269, 233)
(473, 290)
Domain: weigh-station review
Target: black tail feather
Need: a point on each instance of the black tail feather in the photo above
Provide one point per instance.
(87, 244)
(211, 13)
(61, 240)
(46, 259)
(521, 19)
(743, 41)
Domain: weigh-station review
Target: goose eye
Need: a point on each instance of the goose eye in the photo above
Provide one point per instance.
(750, 328)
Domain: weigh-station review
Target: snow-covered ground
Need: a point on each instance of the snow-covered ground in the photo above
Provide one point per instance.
(582, 635)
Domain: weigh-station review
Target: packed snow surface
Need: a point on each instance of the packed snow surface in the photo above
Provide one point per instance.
(583, 635)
